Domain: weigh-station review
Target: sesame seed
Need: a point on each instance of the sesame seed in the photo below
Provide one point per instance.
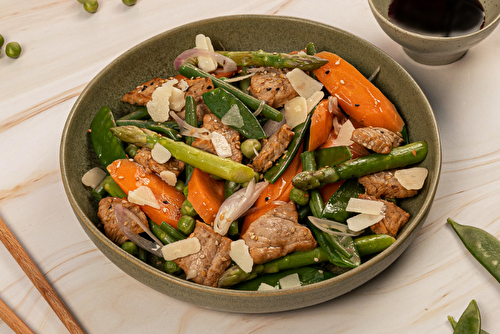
(342, 81)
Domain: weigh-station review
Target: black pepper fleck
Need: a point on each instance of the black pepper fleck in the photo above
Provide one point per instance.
(327, 72)
(356, 105)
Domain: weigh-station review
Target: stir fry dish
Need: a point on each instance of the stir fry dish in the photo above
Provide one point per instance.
(254, 170)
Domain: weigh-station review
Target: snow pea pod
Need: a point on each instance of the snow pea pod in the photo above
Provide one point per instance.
(165, 128)
(335, 208)
(141, 113)
(107, 147)
(307, 275)
(192, 119)
(299, 133)
(373, 243)
(220, 101)
(470, 320)
(482, 245)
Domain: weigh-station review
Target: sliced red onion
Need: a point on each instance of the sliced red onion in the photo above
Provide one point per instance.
(332, 227)
(259, 109)
(124, 217)
(237, 204)
(239, 77)
(374, 74)
(189, 130)
(272, 126)
(228, 65)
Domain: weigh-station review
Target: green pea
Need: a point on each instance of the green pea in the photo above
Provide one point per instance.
(90, 5)
(2, 40)
(179, 185)
(233, 230)
(186, 225)
(129, 2)
(187, 209)
(172, 268)
(250, 148)
(130, 247)
(13, 49)
(300, 197)
(185, 191)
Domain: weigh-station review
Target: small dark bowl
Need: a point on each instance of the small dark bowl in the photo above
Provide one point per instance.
(155, 56)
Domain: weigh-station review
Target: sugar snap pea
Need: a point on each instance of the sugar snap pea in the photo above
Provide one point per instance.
(373, 243)
(107, 147)
(171, 231)
(191, 118)
(166, 128)
(161, 234)
(470, 320)
(481, 244)
(335, 208)
(141, 113)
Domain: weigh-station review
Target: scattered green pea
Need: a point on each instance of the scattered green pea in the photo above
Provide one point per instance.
(13, 50)
(90, 5)
(250, 148)
(179, 185)
(129, 2)
(172, 268)
(130, 247)
(300, 197)
(2, 40)
(187, 209)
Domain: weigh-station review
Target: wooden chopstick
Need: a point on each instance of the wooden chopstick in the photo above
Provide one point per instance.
(12, 320)
(38, 279)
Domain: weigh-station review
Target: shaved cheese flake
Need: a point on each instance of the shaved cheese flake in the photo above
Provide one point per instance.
(266, 287)
(362, 221)
(365, 206)
(169, 177)
(177, 100)
(205, 63)
(93, 177)
(181, 248)
(303, 84)
(290, 281)
(412, 178)
(221, 145)
(183, 85)
(233, 117)
(143, 196)
(345, 134)
(314, 100)
(239, 253)
(159, 105)
(295, 111)
(160, 154)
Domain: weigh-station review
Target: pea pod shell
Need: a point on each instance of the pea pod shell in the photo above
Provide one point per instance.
(107, 147)
(470, 320)
(482, 245)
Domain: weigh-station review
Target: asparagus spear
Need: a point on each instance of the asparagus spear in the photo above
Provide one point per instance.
(399, 157)
(207, 162)
(277, 60)
(235, 274)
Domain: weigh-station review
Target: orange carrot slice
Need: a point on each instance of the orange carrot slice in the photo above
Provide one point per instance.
(321, 125)
(130, 176)
(206, 194)
(356, 95)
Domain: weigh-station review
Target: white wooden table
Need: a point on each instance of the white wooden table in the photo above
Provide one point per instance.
(64, 47)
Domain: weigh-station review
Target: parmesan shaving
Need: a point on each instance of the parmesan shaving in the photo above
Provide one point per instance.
(169, 177)
(239, 253)
(314, 100)
(295, 111)
(345, 134)
(362, 221)
(233, 117)
(143, 196)
(181, 248)
(177, 100)
(159, 105)
(93, 177)
(266, 287)
(303, 84)
(221, 145)
(290, 281)
(365, 206)
(205, 63)
(412, 178)
(160, 154)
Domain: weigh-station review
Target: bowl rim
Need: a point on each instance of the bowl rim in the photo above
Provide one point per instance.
(399, 245)
(486, 30)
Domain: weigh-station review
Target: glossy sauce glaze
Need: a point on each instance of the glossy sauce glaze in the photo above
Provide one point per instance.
(442, 18)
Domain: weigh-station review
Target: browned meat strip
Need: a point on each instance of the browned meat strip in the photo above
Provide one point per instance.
(384, 184)
(273, 87)
(197, 87)
(376, 139)
(201, 111)
(395, 218)
(206, 266)
(141, 95)
(213, 124)
(277, 233)
(106, 213)
(273, 148)
(143, 157)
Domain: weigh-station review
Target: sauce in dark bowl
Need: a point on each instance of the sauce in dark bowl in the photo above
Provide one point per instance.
(441, 18)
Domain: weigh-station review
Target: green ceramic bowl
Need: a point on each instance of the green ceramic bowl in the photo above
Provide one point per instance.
(155, 56)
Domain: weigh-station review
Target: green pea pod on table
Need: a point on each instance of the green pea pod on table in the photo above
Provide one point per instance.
(191, 71)
(481, 244)
(307, 275)
(469, 322)
(220, 101)
(300, 131)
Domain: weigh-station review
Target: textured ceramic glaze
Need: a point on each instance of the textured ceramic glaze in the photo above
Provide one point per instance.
(431, 50)
(243, 32)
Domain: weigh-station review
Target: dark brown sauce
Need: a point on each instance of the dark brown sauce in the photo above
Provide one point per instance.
(444, 18)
